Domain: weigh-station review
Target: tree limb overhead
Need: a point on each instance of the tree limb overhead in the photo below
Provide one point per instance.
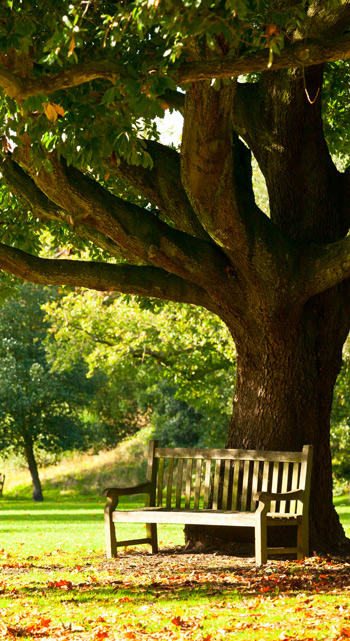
(303, 53)
(128, 279)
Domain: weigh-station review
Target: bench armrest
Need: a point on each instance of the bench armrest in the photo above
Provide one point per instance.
(279, 496)
(115, 492)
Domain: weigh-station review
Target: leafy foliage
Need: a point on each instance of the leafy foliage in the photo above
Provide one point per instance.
(175, 361)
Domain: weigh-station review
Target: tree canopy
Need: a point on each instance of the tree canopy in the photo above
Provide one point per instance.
(81, 86)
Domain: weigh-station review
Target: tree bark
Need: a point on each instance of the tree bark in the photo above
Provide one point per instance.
(283, 399)
(33, 469)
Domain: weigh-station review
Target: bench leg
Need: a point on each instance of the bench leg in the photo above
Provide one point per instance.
(261, 540)
(303, 539)
(111, 541)
(151, 529)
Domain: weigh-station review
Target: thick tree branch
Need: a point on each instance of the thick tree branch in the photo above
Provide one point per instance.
(128, 279)
(135, 230)
(21, 184)
(324, 266)
(21, 88)
(162, 185)
(175, 99)
(218, 177)
(323, 23)
(303, 53)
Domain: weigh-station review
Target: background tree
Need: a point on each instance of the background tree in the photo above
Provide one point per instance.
(81, 85)
(38, 407)
(171, 363)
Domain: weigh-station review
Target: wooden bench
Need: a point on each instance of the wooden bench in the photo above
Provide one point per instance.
(2, 481)
(247, 488)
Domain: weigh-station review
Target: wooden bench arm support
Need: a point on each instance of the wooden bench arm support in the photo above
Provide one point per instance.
(115, 492)
(280, 496)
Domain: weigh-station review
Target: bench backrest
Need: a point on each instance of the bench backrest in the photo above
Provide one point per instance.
(226, 479)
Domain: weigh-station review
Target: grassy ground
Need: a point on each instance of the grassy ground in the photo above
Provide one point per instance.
(55, 582)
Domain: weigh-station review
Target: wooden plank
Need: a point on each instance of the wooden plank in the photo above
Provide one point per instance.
(245, 485)
(216, 484)
(235, 486)
(160, 482)
(169, 490)
(207, 484)
(197, 487)
(179, 482)
(152, 468)
(181, 516)
(226, 485)
(254, 484)
(282, 550)
(284, 486)
(274, 486)
(265, 479)
(243, 455)
(124, 544)
(188, 483)
(295, 486)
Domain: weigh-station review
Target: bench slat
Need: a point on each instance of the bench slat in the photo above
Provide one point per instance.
(254, 484)
(244, 496)
(295, 483)
(274, 485)
(188, 483)
(197, 489)
(160, 482)
(207, 484)
(284, 486)
(235, 486)
(180, 463)
(187, 517)
(170, 483)
(226, 485)
(265, 479)
(216, 484)
(243, 455)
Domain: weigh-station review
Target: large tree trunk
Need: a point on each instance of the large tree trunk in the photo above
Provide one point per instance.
(33, 469)
(283, 399)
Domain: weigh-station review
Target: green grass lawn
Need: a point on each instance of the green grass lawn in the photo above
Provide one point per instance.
(56, 583)
(72, 525)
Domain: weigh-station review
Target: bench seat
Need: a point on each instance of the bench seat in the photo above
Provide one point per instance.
(198, 517)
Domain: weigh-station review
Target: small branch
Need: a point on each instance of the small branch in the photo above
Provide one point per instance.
(201, 373)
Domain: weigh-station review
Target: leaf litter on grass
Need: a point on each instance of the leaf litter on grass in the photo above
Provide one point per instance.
(195, 597)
